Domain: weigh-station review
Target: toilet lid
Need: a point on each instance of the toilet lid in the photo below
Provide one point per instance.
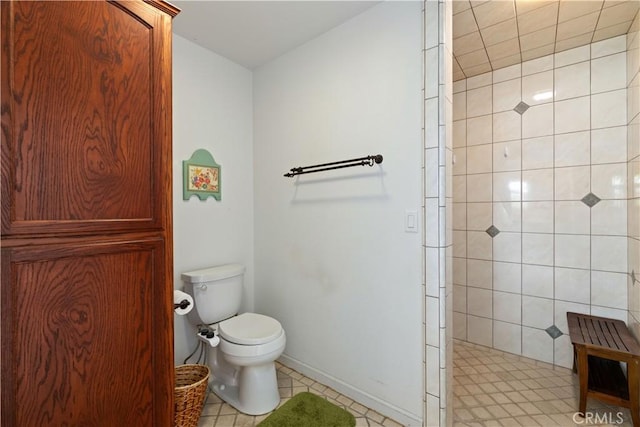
(250, 329)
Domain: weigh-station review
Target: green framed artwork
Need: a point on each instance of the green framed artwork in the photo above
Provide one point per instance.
(201, 176)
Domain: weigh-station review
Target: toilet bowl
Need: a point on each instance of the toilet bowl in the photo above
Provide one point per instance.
(250, 343)
(242, 354)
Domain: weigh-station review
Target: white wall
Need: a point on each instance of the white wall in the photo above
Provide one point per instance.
(527, 175)
(333, 262)
(633, 168)
(212, 109)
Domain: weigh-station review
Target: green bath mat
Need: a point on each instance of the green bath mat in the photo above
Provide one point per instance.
(308, 410)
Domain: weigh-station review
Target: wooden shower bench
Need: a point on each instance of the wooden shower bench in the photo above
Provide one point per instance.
(599, 345)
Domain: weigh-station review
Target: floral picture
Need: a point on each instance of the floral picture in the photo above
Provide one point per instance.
(201, 176)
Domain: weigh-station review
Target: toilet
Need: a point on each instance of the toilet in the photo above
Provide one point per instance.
(242, 352)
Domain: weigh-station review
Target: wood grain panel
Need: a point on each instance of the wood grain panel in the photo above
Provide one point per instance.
(84, 332)
(83, 138)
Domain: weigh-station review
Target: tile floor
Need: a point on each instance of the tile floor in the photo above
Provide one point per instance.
(492, 388)
(217, 413)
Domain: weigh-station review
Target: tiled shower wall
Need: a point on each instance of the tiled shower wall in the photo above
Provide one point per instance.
(540, 199)
(633, 150)
(437, 212)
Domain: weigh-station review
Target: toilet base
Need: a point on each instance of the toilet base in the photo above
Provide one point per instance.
(256, 392)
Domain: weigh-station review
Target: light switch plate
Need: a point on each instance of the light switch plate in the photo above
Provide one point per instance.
(411, 221)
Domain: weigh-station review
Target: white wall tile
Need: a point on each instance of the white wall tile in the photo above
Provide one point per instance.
(609, 145)
(459, 161)
(572, 149)
(459, 243)
(479, 245)
(460, 86)
(432, 313)
(609, 253)
(459, 326)
(507, 247)
(507, 337)
(572, 115)
(506, 187)
(506, 216)
(572, 251)
(433, 273)
(572, 284)
(537, 217)
(479, 101)
(507, 307)
(479, 130)
(537, 88)
(537, 184)
(572, 81)
(609, 181)
(506, 126)
(507, 73)
(609, 289)
(459, 106)
(537, 312)
(612, 313)
(506, 95)
(459, 216)
(433, 369)
(563, 351)
(479, 302)
(609, 217)
(479, 330)
(537, 65)
(609, 109)
(479, 159)
(459, 132)
(609, 73)
(572, 56)
(537, 248)
(459, 186)
(572, 217)
(479, 81)
(608, 46)
(537, 280)
(480, 273)
(572, 183)
(460, 298)
(538, 121)
(480, 188)
(537, 344)
(507, 276)
(537, 153)
(479, 216)
(507, 156)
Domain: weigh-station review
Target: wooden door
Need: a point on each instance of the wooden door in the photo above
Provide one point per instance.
(85, 337)
(86, 282)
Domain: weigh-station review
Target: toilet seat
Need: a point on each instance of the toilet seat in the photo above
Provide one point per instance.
(250, 329)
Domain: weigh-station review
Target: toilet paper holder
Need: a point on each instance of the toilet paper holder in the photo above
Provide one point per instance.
(182, 304)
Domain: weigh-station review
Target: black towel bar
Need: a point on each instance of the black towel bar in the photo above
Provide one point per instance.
(361, 161)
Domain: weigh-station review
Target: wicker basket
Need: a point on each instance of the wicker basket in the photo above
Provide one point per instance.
(189, 394)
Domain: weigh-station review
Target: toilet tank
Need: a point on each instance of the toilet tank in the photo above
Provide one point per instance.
(216, 292)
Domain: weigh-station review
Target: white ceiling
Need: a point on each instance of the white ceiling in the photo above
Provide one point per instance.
(252, 33)
(487, 34)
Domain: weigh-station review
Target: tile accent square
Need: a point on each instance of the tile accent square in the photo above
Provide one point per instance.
(492, 231)
(521, 107)
(553, 331)
(590, 200)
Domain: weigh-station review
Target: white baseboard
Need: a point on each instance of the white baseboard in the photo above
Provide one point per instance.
(385, 408)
